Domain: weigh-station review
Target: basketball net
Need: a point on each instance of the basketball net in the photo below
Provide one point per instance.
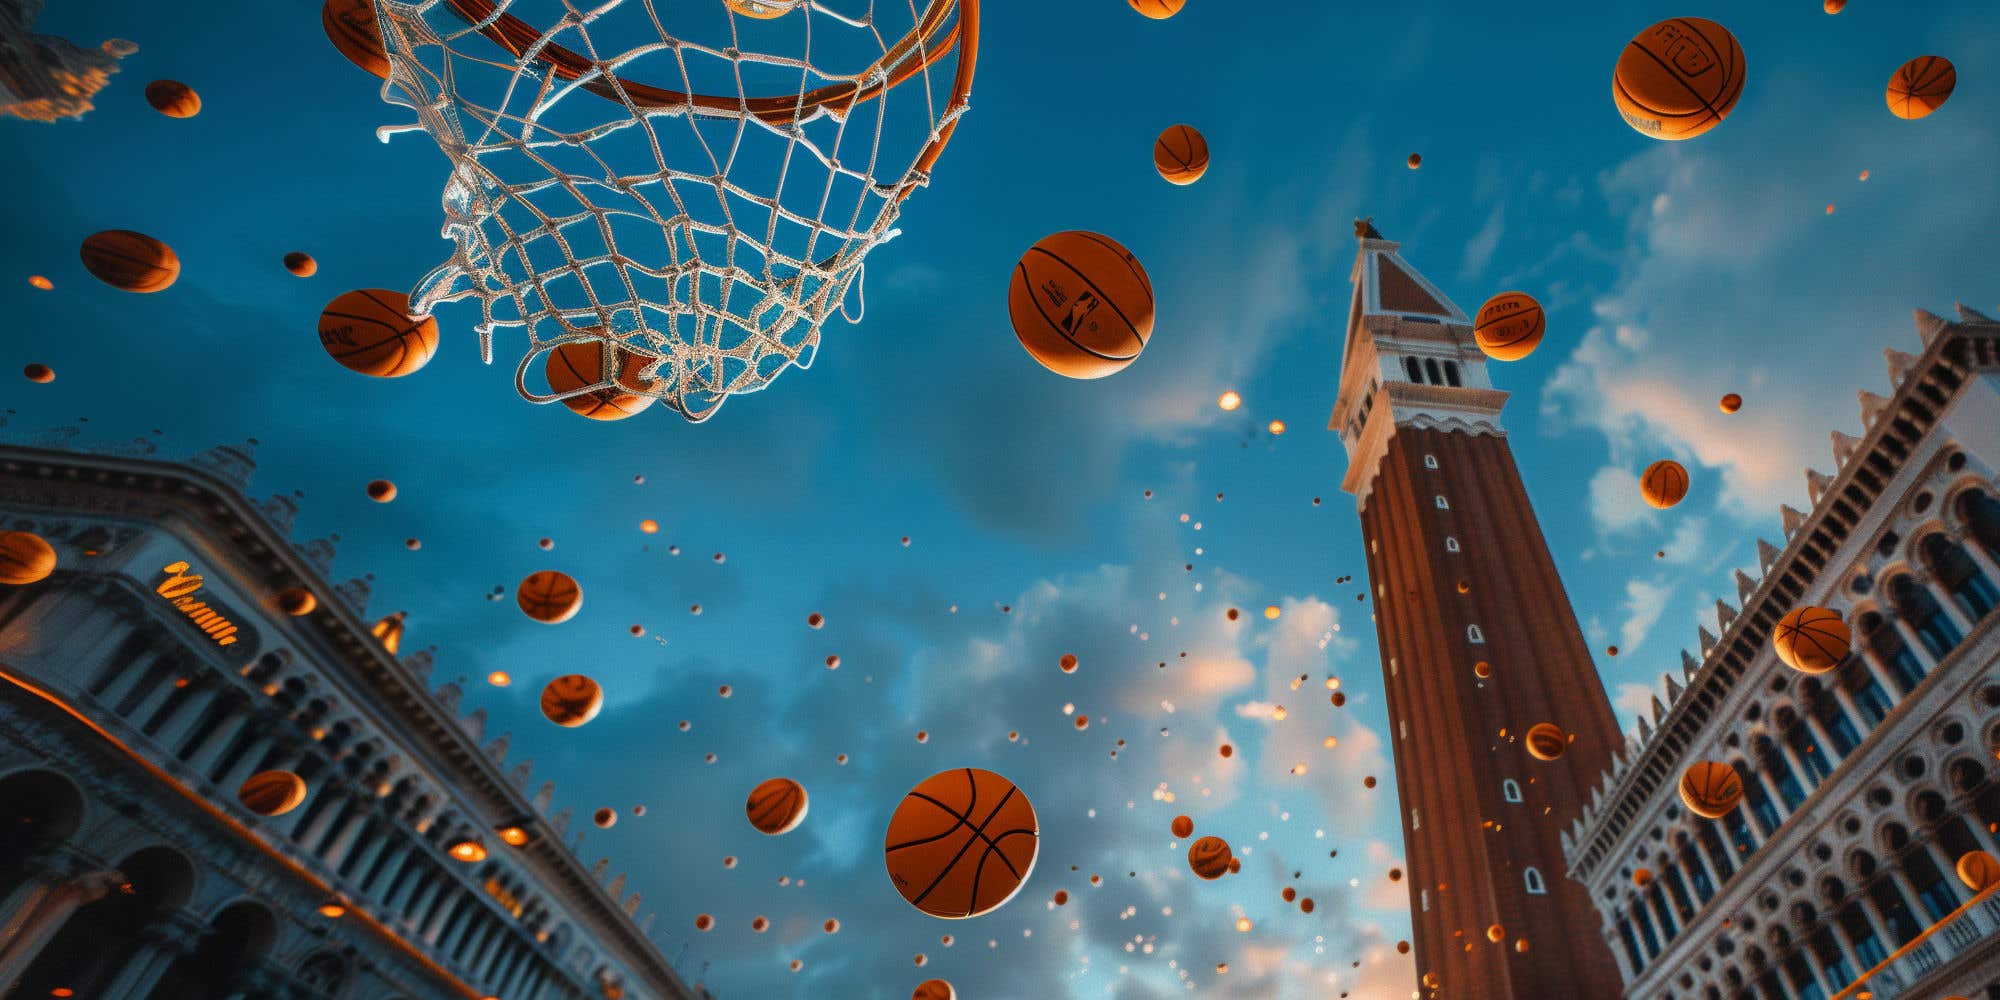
(701, 194)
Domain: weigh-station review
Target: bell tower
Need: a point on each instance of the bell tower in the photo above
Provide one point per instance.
(1478, 643)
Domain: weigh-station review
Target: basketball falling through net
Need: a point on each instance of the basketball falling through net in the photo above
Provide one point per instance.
(692, 184)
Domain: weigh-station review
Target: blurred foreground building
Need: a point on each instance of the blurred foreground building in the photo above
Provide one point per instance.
(128, 719)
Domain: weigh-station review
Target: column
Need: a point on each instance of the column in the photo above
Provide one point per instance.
(1914, 642)
(1876, 921)
(1846, 702)
(176, 725)
(1823, 742)
(1701, 858)
(38, 917)
(1948, 867)
(1854, 963)
(165, 939)
(306, 832)
(1800, 772)
(1617, 950)
(206, 756)
(1979, 557)
(1951, 608)
(161, 690)
(1919, 912)
(432, 923)
(1771, 793)
(384, 886)
(343, 841)
(130, 675)
(416, 901)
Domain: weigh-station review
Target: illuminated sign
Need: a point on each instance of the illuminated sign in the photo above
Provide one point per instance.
(179, 588)
(507, 900)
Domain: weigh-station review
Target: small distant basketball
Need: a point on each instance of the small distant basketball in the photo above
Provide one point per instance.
(605, 818)
(25, 558)
(272, 793)
(1081, 304)
(1180, 154)
(1664, 483)
(1209, 858)
(381, 490)
(1183, 826)
(1067, 663)
(1710, 789)
(776, 806)
(351, 26)
(1812, 640)
(934, 989)
(1730, 403)
(370, 331)
(1921, 86)
(1509, 326)
(1158, 10)
(1834, 6)
(173, 98)
(296, 601)
(961, 843)
(301, 264)
(130, 261)
(1979, 870)
(574, 365)
(572, 700)
(1642, 877)
(549, 596)
(1546, 741)
(39, 374)
(1678, 78)
(1416, 160)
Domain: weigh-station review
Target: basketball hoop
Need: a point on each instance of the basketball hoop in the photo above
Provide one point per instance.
(703, 204)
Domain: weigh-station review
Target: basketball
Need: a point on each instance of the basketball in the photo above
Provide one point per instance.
(351, 26)
(1158, 10)
(1180, 154)
(301, 264)
(1183, 826)
(1642, 877)
(173, 98)
(39, 374)
(381, 490)
(1209, 858)
(961, 843)
(1081, 304)
(1921, 86)
(572, 700)
(763, 10)
(1978, 870)
(703, 921)
(370, 331)
(580, 363)
(1678, 78)
(1416, 160)
(605, 818)
(1710, 789)
(1509, 326)
(25, 558)
(272, 793)
(1730, 403)
(549, 597)
(1067, 663)
(132, 261)
(1664, 483)
(934, 989)
(1834, 6)
(776, 805)
(1812, 640)
(296, 601)
(1496, 933)
(1482, 670)
(1546, 741)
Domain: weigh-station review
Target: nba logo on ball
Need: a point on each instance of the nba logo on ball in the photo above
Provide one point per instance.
(1078, 319)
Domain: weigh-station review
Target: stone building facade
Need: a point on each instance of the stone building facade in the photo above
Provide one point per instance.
(128, 719)
(1864, 785)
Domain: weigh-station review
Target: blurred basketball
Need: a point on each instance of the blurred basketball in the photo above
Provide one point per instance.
(131, 261)
(1834, 6)
(1678, 78)
(25, 558)
(1812, 640)
(1710, 789)
(1509, 326)
(1496, 933)
(1061, 898)
(549, 597)
(272, 793)
(576, 364)
(1081, 304)
(776, 805)
(40, 283)
(1642, 877)
(370, 331)
(173, 98)
(296, 601)
(1545, 741)
(1921, 86)
(301, 264)
(1180, 154)
(961, 843)
(1416, 160)
(763, 10)
(1664, 483)
(38, 373)
(1730, 403)
(1978, 870)
(605, 818)
(1482, 669)
(703, 922)
(381, 490)
(351, 26)
(934, 989)
(572, 700)
(1158, 10)
(1067, 663)
(1183, 826)
(1209, 858)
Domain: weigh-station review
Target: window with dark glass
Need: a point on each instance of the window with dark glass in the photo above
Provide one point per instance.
(1888, 645)
(1800, 739)
(1895, 910)
(1960, 576)
(1631, 946)
(1919, 610)
(1861, 934)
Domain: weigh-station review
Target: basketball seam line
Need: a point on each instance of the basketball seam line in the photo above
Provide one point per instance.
(964, 820)
(1131, 262)
(1022, 268)
(1675, 76)
(1073, 269)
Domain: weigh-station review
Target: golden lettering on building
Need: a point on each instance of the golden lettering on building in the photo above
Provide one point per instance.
(179, 588)
(507, 900)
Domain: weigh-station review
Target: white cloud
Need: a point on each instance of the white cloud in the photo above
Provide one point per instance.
(1645, 601)
(1479, 249)
(1615, 504)
(1633, 699)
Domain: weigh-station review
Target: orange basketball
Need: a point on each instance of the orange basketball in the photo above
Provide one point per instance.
(1180, 154)
(1710, 789)
(1509, 326)
(1546, 741)
(1664, 483)
(605, 818)
(39, 374)
(1730, 403)
(301, 264)
(296, 601)
(370, 331)
(25, 558)
(1978, 870)
(132, 261)
(776, 805)
(351, 27)
(272, 793)
(580, 363)
(934, 989)
(1416, 160)
(1081, 304)
(572, 700)
(381, 490)
(549, 597)
(173, 98)
(1678, 78)
(1482, 669)
(1158, 10)
(1921, 86)
(961, 843)
(1183, 826)
(1812, 640)
(1834, 6)
(1209, 858)
(1642, 877)
(1496, 933)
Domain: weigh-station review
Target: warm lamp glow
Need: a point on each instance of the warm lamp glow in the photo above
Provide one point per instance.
(1277, 427)
(499, 678)
(1271, 612)
(1243, 924)
(468, 851)
(333, 911)
(513, 836)
(649, 526)
(1229, 400)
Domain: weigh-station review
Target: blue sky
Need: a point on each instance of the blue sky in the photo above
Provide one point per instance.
(1672, 273)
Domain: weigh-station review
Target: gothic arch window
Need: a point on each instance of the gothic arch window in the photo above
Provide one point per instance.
(1959, 575)
(1442, 503)
(1888, 645)
(1510, 790)
(1536, 887)
(1919, 610)
(1980, 514)
(1410, 367)
(1472, 634)
(1431, 369)
(1450, 544)
(1451, 374)
(1430, 461)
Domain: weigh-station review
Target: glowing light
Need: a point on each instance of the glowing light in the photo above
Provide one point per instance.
(468, 851)
(649, 526)
(1276, 427)
(45, 284)
(499, 678)
(1229, 400)
(332, 911)
(1271, 612)
(1243, 925)
(512, 836)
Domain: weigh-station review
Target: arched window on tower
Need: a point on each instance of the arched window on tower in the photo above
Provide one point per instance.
(1959, 575)
(1510, 790)
(1430, 461)
(1472, 634)
(1431, 369)
(1981, 516)
(1919, 610)
(1450, 544)
(1443, 504)
(1534, 880)
(1451, 374)
(1410, 368)
(1882, 638)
